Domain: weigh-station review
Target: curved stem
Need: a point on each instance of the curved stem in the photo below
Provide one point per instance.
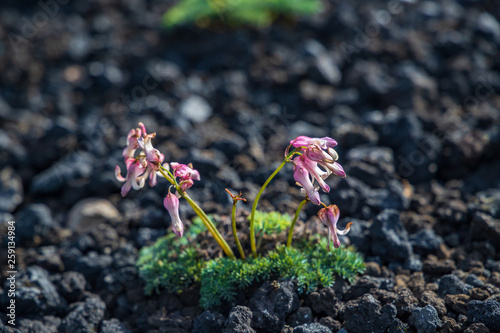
(290, 231)
(236, 239)
(254, 207)
(210, 226)
(204, 218)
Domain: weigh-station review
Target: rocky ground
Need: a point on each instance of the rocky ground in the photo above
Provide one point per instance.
(408, 89)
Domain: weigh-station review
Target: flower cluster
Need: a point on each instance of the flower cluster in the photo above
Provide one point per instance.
(315, 152)
(142, 166)
(148, 164)
(316, 161)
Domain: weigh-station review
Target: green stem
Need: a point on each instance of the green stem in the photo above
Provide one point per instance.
(236, 239)
(254, 207)
(203, 216)
(290, 231)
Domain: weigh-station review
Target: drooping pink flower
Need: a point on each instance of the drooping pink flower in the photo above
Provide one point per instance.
(133, 180)
(145, 165)
(171, 203)
(133, 135)
(186, 173)
(313, 169)
(302, 177)
(330, 216)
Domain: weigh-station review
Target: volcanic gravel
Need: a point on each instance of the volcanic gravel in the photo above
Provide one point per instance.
(409, 89)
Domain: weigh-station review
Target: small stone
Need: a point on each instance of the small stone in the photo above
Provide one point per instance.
(71, 285)
(332, 324)
(272, 304)
(209, 321)
(366, 314)
(68, 169)
(303, 315)
(85, 317)
(311, 328)
(451, 284)
(450, 325)
(11, 190)
(195, 109)
(324, 301)
(239, 320)
(487, 312)
(477, 328)
(87, 214)
(457, 303)
(113, 326)
(431, 298)
(35, 293)
(390, 238)
(34, 222)
(425, 320)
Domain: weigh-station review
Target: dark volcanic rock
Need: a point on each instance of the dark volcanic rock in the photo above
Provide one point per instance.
(487, 312)
(272, 303)
(113, 326)
(238, 321)
(451, 284)
(84, 317)
(34, 220)
(366, 314)
(35, 293)
(71, 285)
(425, 320)
(311, 328)
(209, 321)
(303, 315)
(389, 237)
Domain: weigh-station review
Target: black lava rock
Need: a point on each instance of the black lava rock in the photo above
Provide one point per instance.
(487, 312)
(311, 328)
(238, 321)
(425, 320)
(71, 285)
(389, 237)
(70, 168)
(113, 326)
(35, 293)
(84, 317)
(34, 220)
(303, 315)
(451, 285)
(272, 303)
(366, 314)
(209, 321)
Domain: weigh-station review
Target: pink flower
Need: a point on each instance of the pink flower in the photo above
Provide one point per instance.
(330, 216)
(305, 141)
(301, 176)
(313, 169)
(326, 159)
(145, 165)
(134, 170)
(171, 203)
(186, 173)
(132, 144)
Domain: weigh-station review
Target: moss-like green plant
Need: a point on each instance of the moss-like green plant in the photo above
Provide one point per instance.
(169, 264)
(237, 12)
(271, 223)
(174, 264)
(311, 267)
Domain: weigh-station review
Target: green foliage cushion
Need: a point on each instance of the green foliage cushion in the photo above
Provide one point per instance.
(175, 263)
(234, 12)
